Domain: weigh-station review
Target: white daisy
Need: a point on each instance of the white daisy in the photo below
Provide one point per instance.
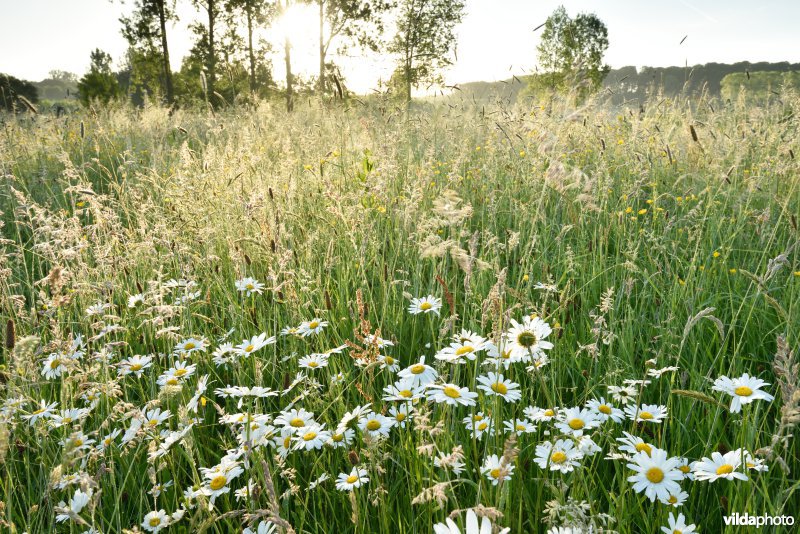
(479, 425)
(44, 411)
(190, 345)
(135, 365)
(451, 394)
(656, 474)
(375, 424)
(496, 470)
(355, 479)
(605, 410)
(634, 445)
(646, 413)
(248, 286)
(135, 300)
(536, 414)
(562, 456)
(577, 420)
(53, 366)
(678, 525)
(403, 391)
(527, 338)
(155, 521)
(471, 526)
(495, 384)
(389, 363)
(255, 343)
(429, 304)
(311, 437)
(460, 350)
(312, 327)
(719, 466)
(519, 426)
(623, 394)
(313, 361)
(675, 499)
(418, 374)
(77, 503)
(744, 390)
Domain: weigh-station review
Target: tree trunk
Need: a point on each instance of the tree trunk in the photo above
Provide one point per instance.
(162, 19)
(212, 56)
(321, 47)
(250, 49)
(287, 57)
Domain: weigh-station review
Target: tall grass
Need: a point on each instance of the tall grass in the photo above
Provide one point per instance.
(662, 228)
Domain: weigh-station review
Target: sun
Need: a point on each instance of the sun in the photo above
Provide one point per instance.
(300, 23)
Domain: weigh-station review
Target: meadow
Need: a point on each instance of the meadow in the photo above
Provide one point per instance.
(355, 318)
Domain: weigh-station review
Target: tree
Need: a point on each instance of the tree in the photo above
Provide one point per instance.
(287, 58)
(257, 13)
(207, 39)
(63, 76)
(13, 90)
(145, 29)
(425, 37)
(99, 83)
(572, 49)
(357, 21)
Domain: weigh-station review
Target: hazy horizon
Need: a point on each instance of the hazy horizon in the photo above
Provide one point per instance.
(495, 41)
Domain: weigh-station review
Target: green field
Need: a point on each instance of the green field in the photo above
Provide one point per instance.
(658, 244)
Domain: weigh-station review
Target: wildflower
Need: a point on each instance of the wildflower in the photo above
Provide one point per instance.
(45, 411)
(472, 526)
(295, 419)
(375, 424)
(675, 499)
(371, 339)
(311, 437)
(678, 525)
(355, 479)
(577, 420)
(67, 417)
(418, 374)
(743, 390)
(218, 478)
(495, 384)
(341, 437)
(191, 345)
(53, 366)
(605, 410)
(248, 347)
(402, 390)
(77, 503)
(135, 365)
(719, 466)
(634, 445)
(479, 425)
(264, 527)
(428, 304)
(155, 521)
(562, 456)
(136, 300)
(519, 426)
(647, 413)
(461, 349)
(313, 361)
(401, 414)
(496, 470)
(312, 327)
(528, 337)
(623, 394)
(249, 286)
(452, 394)
(656, 475)
(537, 414)
(389, 363)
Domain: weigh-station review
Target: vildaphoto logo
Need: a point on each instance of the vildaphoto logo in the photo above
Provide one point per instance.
(758, 521)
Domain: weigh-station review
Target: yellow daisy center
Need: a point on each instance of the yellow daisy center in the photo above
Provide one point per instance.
(549, 413)
(417, 368)
(154, 521)
(520, 427)
(655, 475)
(181, 372)
(452, 392)
(672, 499)
(464, 350)
(172, 381)
(313, 364)
(77, 442)
(725, 469)
(495, 473)
(644, 447)
(189, 346)
(136, 366)
(558, 457)
(743, 391)
(153, 422)
(55, 363)
(499, 388)
(37, 412)
(400, 417)
(218, 482)
(603, 408)
(373, 425)
(684, 469)
(249, 286)
(337, 437)
(309, 436)
(389, 360)
(351, 479)
(405, 393)
(297, 422)
(483, 426)
(645, 415)
(425, 306)
(576, 424)
(249, 348)
(313, 324)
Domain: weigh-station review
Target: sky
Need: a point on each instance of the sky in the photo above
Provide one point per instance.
(495, 39)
